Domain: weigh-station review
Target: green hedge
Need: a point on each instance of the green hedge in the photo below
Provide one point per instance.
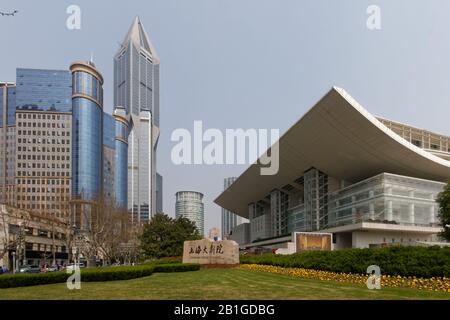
(171, 267)
(424, 262)
(171, 260)
(92, 274)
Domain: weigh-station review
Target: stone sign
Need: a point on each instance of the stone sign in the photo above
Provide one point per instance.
(207, 251)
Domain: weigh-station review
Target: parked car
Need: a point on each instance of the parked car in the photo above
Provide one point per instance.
(29, 269)
(52, 268)
(71, 266)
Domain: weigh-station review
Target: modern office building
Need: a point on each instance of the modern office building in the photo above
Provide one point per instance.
(121, 157)
(229, 219)
(7, 142)
(43, 161)
(31, 238)
(109, 156)
(87, 138)
(368, 181)
(159, 193)
(136, 88)
(43, 141)
(189, 204)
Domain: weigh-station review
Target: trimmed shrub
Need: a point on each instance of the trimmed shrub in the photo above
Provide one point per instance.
(87, 275)
(164, 261)
(423, 262)
(93, 274)
(25, 280)
(176, 267)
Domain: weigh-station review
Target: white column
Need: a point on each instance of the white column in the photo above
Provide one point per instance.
(432, 213)
(372, 211)
(411, 208)
(389, 210)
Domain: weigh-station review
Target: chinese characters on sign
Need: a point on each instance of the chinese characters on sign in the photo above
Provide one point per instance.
(212, 249)
(211, 252)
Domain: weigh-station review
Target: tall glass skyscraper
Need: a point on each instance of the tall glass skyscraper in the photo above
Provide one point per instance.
(43, 137)
(7, 142)
(109, 155)
(87, 133)
(189, 204)
(121, 157)
(136, 88)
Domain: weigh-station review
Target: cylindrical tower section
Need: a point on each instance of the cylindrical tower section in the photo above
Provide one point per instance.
(121, 160)
(87, 128)
(189, 205)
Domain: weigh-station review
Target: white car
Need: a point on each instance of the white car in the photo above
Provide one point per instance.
(72, 266)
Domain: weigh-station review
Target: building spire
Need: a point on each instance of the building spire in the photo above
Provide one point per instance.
(137, 35)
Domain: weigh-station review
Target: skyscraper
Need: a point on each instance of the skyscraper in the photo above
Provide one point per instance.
(189, 204)
(43, 140)
(109, 156)
(136, 88)
(7, 142)
(229, 219)
(121, 158)
(87, 136)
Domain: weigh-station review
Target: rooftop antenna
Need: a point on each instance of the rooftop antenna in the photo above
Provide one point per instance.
(92, 57)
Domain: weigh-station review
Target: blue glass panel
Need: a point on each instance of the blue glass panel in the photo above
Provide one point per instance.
(87, 148)
(44, 90)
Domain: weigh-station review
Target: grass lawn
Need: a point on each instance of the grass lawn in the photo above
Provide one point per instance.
(217, 284)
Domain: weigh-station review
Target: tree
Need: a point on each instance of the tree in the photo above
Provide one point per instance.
(164, 236)
(444, 212)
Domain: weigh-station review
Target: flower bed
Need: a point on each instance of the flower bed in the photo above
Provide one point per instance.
(424, 262)
(434, 283)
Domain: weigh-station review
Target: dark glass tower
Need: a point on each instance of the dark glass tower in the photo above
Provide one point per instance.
(87, 136)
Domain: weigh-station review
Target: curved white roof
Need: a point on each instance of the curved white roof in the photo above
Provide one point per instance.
(342, 139)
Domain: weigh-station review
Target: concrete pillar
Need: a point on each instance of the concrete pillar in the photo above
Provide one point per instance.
(432, 213)
(371, 194)
(372, 211)
(411, 213)
(389, 210)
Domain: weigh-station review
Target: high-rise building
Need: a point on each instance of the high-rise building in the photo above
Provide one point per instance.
(121, 157)
(43, 141)
(159, 193)
(43, 161)
(7, 142)
(229, 219)
(189, 205)
(109, 155)
(87, 137)
(136, 88)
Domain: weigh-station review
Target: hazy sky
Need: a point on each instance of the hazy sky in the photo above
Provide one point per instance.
(249, 63)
